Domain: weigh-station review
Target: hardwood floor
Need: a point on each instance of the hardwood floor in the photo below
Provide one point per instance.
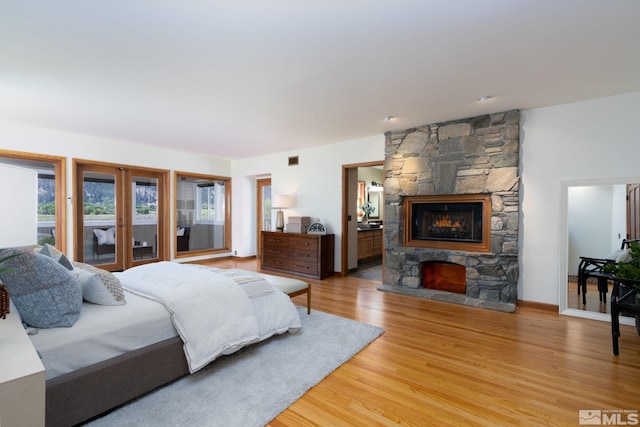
(444, 364)
(593, 298)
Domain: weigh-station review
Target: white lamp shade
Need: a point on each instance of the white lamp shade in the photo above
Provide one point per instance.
(281, 201)
(19, 213)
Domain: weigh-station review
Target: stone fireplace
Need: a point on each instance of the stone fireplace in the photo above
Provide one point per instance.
(451, 212)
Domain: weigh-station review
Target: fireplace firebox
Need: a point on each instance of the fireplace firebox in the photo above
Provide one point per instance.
(454, 222)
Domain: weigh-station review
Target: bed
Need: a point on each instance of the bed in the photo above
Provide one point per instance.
(171, 320)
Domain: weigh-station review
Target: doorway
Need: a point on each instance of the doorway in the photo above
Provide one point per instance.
(263, 214)
(597, 216)
(120, 215)
(362, 231)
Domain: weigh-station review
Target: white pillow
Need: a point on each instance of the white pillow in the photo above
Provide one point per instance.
(625, 256)
(180, 231)
(98, 286)
(105, 237)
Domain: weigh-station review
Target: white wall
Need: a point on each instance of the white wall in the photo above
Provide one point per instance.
(594, 139)
(619, 215)
(590, 213)
(316, 182)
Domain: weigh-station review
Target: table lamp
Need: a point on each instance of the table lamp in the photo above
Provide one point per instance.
(281, 202)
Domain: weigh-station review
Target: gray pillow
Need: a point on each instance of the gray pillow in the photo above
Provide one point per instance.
(45, 293)
(53, 252)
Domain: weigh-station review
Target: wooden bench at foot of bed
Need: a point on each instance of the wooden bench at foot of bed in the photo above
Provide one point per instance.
(288, 285)
(295, 289)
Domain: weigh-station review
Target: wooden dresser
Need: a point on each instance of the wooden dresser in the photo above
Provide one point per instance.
(308, 255)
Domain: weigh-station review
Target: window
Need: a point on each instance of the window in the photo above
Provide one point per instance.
(145, 200)
(210, 201)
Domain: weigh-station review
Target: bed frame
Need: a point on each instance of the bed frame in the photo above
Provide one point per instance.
(88, 392)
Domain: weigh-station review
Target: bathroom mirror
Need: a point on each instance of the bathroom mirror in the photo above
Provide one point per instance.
(596, 218)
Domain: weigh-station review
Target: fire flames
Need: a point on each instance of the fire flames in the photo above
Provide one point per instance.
(445, 221)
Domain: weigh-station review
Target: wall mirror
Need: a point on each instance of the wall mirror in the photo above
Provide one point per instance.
(597, 216)
(203, 214)
(374, 199)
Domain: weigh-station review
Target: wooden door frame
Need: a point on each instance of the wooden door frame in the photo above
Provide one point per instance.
(178, 176)
(260, 184)
(345, 212)
(124, 252)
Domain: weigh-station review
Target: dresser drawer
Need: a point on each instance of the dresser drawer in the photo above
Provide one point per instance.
(275, 240)
(302, 255)
(302, 243)
(280, 263)
(275, 251)
(310, 268)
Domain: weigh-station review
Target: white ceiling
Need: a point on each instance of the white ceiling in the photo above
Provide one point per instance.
(241, 78)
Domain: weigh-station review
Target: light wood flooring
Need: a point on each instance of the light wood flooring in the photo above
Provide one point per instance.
(593, 298)
(444, 364)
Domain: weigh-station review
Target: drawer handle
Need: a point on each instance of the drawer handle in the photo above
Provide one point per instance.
(302, 266)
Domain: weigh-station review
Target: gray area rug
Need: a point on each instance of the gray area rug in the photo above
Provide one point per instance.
(252, 386)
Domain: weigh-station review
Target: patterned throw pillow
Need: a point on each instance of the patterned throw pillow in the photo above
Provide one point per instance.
(98, 286)
(44, 292)
(53, 252)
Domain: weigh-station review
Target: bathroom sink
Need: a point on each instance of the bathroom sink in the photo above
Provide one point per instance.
(370, 226)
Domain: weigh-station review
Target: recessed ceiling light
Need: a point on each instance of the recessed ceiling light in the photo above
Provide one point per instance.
(484, 98)
(388, 118)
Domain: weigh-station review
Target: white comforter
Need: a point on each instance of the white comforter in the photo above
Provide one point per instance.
(212, 313)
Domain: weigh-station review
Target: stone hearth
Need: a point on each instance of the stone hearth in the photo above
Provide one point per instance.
(471, 156)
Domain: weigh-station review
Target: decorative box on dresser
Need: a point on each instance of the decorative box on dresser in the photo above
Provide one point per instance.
(309, 255)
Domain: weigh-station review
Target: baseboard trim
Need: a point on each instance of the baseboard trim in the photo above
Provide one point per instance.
(538, 305)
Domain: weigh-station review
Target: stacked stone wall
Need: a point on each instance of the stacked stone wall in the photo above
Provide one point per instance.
(471, 156)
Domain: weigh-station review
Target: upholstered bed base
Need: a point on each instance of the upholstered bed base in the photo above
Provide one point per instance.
(80, 395)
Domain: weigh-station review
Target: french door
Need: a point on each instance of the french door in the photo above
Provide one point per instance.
(119, 212)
